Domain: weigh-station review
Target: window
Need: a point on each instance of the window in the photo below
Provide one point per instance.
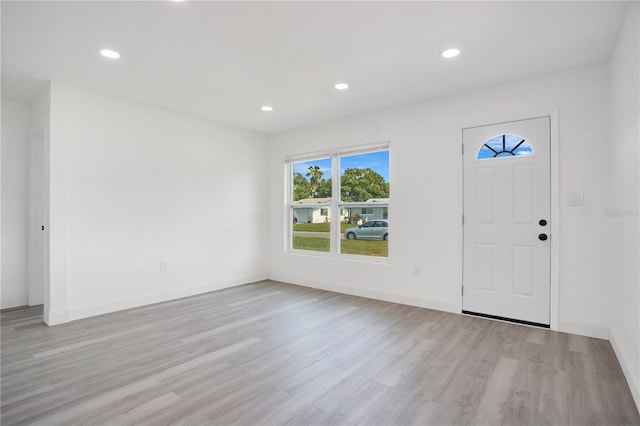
(359, 178)
(504, 146)
(310, 206)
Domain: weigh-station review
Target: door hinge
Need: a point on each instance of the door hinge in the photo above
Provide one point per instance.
(462, 146)
(463, 219)
(462, 290)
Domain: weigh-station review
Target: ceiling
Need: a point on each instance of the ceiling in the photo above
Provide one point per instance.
(224, 60)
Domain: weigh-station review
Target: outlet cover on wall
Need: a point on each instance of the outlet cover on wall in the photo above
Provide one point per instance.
(575, 198)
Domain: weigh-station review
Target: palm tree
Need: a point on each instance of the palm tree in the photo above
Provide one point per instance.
(315, 175)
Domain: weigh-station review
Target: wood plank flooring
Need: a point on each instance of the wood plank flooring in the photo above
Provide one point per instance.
(276, 354)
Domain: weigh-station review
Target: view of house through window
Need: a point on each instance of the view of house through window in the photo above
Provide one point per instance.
(311, 205)
(354, 221)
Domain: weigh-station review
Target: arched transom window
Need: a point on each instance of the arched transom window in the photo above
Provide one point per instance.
(504, 146)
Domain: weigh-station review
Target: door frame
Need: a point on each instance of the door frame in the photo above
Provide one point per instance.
(554, 240)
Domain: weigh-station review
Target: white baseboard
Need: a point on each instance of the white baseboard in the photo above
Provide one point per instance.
(79, 312)
(429, 303)
(583, 328)
(632, 380)
(57, 317)
(12, 302)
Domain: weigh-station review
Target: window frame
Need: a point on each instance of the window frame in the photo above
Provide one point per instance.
(335, 205)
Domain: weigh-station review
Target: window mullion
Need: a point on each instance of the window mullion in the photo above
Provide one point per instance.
(289, 206)
(335, 197)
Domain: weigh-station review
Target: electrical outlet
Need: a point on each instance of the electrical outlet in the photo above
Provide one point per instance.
(163, 266)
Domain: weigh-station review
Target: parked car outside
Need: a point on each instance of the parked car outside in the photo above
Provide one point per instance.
(373, 230)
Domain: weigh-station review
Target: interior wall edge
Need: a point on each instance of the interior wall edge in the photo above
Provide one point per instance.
(13, 302)
(136, 301)
(421, 302)
(56, 317)
(583, 328)
(566, 325)
(626, 368)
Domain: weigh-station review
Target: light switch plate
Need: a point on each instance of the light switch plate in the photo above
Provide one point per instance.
(575, 198)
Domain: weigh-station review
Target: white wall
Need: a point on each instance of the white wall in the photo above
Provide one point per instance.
(133, 187)
(426, 194)
(624, 203)
(15, 161)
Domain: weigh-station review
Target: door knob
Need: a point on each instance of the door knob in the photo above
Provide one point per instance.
(543, 222)
(542, 237)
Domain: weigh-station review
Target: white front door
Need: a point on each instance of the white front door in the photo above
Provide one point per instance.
(36, 235)
(507, 252)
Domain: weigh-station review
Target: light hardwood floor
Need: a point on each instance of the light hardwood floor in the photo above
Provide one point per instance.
(272, 353)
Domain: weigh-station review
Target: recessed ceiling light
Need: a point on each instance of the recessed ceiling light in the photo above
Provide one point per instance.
(450, 53)
(341, 86)
(267, 108)
(111, 54)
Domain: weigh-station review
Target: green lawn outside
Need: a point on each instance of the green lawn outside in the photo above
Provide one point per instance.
(365, 248)
(311, 243)
(320, 227)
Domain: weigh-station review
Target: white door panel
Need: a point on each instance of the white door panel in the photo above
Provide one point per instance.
(507, 267)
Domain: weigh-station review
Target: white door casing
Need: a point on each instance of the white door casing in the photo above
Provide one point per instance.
(507, 262)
